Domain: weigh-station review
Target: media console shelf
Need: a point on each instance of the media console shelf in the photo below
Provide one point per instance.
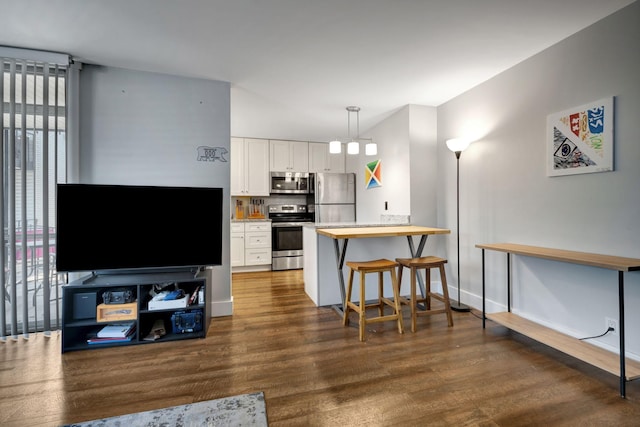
(84, 314)
(626, 369)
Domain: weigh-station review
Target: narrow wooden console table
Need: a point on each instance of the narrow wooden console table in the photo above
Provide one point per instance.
(627, 369)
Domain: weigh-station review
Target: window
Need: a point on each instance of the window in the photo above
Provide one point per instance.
(33, 141)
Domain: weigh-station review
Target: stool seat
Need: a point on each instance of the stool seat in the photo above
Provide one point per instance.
(422, 262)
(426, 263)
(372, 266)
(379, 266)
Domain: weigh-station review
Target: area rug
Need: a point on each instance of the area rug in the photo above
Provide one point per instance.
(242, 410)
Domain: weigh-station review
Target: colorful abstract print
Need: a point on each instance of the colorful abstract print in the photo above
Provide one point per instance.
(373, 174)
(581, 140)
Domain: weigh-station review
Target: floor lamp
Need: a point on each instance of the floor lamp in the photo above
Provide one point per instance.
(458, 146)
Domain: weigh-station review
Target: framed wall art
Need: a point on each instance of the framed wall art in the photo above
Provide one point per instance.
(373, 174)
(580, 139)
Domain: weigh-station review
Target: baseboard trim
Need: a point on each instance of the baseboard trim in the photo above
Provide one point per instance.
(222, 308)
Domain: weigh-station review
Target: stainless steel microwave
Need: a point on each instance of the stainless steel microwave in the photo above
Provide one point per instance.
(290, 183)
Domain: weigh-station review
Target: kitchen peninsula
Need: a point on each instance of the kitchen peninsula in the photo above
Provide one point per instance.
(325, 253)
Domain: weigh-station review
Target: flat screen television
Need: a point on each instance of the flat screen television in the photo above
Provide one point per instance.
(110, 228)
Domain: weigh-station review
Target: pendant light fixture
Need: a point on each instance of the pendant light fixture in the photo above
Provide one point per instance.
(335, 147)
(371, 149)
(353, 146)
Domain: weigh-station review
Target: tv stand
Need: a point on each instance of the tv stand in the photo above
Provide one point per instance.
(84, 313)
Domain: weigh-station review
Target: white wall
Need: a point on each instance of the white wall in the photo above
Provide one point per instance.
(407, 150)
(423, 164)
(144, 128)
(507, 197)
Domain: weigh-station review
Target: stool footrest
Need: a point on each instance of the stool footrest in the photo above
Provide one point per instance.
(382, 318)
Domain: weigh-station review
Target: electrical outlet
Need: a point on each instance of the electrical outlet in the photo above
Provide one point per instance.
(612, 323)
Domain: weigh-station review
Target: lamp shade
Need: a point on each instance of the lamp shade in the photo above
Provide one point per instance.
(353, 147)
(335, 147)
(371, 149)
(457, 144)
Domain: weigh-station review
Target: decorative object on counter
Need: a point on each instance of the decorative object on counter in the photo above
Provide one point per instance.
(239, 210)
(353, 146)
(458, 146)
(256, 209)
(373, 174)
(580, 139)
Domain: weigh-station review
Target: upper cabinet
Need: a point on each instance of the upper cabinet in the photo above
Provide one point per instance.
(249, 167)
(289, 156)
(320, 160)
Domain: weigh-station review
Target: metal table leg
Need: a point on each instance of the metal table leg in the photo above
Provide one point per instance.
(417, 254)
(623, 374)
(340, 254)
(484, 317)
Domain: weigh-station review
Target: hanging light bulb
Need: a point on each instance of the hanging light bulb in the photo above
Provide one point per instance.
(353, 147)
(371, 149)
(335, 147)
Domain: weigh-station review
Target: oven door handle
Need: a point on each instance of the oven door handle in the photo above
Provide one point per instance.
(289, 224)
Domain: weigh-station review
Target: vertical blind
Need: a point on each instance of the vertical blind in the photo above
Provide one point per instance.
(33, 141)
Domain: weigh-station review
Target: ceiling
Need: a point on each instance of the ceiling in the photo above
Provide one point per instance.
(294, 65)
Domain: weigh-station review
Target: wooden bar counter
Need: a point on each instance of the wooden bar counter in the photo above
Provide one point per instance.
(318, 283)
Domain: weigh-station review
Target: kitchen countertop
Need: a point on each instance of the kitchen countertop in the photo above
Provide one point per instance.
(350, 224)
(251, 220)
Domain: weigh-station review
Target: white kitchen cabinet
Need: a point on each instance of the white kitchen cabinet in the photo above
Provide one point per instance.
(289, 156)
(237, 244)
(249, 167)
(250, 243)
(320, 160)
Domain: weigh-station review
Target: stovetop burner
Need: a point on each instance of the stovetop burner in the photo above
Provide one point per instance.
(290, 213)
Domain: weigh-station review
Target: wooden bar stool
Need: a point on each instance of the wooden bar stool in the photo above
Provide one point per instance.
(379, 266)
(426, 263)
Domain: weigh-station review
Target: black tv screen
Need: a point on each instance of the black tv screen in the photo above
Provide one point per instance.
(115, 227)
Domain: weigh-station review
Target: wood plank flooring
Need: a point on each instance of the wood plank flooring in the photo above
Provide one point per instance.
(315, 372)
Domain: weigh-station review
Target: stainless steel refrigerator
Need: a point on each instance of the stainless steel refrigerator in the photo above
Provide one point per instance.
(334, 196)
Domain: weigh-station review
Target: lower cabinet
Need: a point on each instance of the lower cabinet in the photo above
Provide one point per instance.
(250, 243)
(237, 244)
(120, 309)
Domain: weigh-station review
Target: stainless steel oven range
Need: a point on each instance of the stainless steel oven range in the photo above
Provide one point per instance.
(286, 235)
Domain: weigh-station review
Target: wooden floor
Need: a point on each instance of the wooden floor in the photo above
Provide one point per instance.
(315, 372)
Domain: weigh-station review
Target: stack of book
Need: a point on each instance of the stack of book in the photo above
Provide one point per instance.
(113, 333)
